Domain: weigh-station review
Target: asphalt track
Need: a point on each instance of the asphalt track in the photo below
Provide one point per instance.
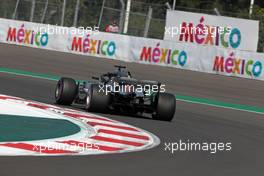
(193, 122)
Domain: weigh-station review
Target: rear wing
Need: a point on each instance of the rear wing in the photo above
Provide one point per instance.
(132, 81)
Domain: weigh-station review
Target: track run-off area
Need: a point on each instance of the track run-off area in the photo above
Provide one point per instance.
(94, 134)
(210, 108)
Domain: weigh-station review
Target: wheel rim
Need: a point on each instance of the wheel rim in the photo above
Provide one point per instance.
(58, 91)
(88, 101)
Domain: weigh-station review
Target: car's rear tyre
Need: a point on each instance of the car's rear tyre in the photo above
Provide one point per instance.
(97, 100)
(166, 104)
(66, 91)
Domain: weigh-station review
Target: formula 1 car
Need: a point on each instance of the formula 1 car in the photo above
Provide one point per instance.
(118, 91)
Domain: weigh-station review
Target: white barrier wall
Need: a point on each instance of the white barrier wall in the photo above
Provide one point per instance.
(187, 56)
(212, 30)
(105, 45)
(198, 58)
(28, 34)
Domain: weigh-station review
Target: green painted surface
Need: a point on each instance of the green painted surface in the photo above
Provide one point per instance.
(24, 128)
(208, 102)
(252, 109)
(31, 74)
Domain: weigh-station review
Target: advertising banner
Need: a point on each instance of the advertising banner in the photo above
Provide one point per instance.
(211, 30)
(66, 39)
(105, 45)
(32, 35)
(198, 58)
(188, 56)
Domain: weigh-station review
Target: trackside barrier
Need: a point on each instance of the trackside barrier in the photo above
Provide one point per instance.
(208, 59)
(219, 31)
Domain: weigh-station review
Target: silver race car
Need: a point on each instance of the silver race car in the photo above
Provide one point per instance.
(118, 91)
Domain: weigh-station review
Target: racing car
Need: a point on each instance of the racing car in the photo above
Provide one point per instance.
(117, 91)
